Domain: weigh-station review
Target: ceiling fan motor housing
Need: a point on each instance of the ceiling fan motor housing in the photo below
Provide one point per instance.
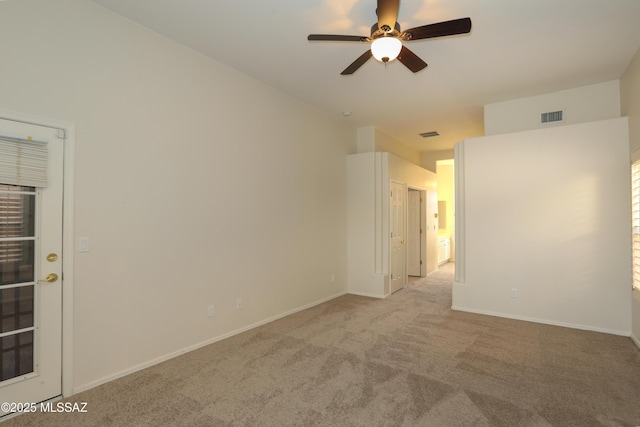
(377, 32)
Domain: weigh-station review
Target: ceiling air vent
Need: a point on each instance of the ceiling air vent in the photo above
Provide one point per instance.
(429, 134)
(552, 117)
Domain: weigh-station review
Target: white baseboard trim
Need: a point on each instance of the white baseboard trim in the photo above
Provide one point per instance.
(545, 321)
(635, 340)
(166, 357)
(365, 294)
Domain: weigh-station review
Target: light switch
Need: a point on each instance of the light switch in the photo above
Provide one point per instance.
(83, 244)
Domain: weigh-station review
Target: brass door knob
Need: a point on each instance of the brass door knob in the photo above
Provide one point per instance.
(50, 278)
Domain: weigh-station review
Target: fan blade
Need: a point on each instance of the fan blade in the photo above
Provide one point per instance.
(336, 38)
(447, 28)
(357, 63)
(387, 13)
(411, 60)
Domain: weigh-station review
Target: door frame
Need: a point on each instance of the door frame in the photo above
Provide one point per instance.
(68, 246)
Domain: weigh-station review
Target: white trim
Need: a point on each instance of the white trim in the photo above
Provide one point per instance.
(636, 340)
(366, 294)
(68, 244)
(459, 212)
(543, 321)
(185, 350)
(67, 236)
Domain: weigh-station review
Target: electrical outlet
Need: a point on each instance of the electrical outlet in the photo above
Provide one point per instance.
(332, 277)
(514, 293)
(211, 311)
(238, 303)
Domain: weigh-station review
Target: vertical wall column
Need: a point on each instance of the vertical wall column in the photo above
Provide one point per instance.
(459, 212)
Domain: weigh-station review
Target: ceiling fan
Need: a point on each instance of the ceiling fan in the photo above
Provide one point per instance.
(386, 37)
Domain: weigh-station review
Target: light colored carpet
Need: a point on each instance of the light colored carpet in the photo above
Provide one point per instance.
(404, 361)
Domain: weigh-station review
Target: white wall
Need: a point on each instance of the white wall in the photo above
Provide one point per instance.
(445, 175)
(547, 212)
(630, 105)
(371, 139)
(583, 104)
(367, 273)
(196, 184)
(387, 143)
(419, 178)
(369, 175)
(430, 159)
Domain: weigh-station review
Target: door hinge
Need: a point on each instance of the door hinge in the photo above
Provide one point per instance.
(421, 231)
(62, 134)
(420, 262)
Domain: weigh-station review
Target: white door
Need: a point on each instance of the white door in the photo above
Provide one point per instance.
(397, 226)
(414, 254)
(31, 278)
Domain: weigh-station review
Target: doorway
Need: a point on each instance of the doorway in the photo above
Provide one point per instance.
(445, 172)
(416, 242)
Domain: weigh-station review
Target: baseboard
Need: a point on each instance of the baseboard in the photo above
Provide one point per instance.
(635, 340)
(546, 322)
(364, 294)
(169, 356)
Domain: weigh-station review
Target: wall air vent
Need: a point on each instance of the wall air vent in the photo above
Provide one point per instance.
(429, 134)
(552, 117)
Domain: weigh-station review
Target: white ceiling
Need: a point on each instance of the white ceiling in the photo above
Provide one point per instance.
(516, 48)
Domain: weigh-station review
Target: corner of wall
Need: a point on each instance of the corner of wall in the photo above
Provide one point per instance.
(583, 104)
(366, 139)
(430, 158)
(386, 143)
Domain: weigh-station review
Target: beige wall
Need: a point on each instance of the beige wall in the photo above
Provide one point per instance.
(369, 175)
(196, 184)
(444, 172)
(371, 139)
(387, 143)
(430, 159)
(546, 212)
(583, 104)
(630, 104)
(420, 178)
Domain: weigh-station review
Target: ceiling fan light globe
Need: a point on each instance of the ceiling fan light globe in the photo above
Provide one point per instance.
(386, 49)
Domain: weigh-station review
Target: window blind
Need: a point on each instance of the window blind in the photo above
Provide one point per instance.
(23, 160)
(635, 218)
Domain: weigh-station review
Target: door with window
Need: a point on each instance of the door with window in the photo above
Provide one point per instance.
(31, 188)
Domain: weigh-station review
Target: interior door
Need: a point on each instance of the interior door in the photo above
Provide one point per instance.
(414, 253)
(31, 277)
(397, 260)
